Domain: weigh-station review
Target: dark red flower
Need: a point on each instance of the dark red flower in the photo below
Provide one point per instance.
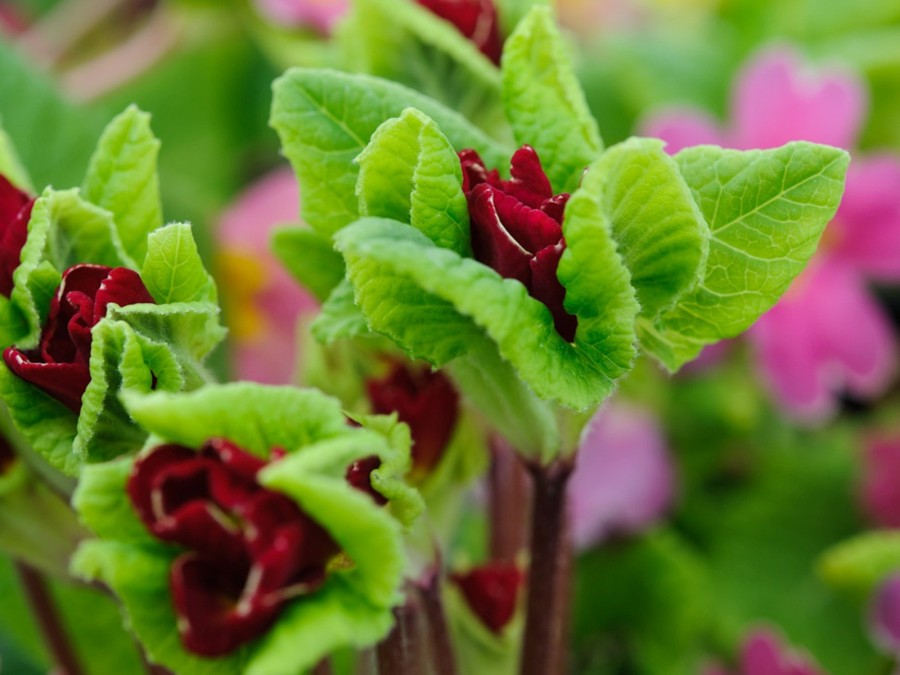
(475, 19)
(60, 364)
(426, 401)
(359, 475)
(249, 550)
(516, 227)
(15, 212)
(492, 592)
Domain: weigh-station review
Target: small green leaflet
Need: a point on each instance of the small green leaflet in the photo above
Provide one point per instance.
(121, 178)
(325, 119)
(766, 210)
(545, 103)
(406, 43)
(410, 172)
(860, 564)
(173, 270)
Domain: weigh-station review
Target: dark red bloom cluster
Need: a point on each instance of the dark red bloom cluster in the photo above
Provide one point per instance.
(427, 402)
(15, 212)
(492, 592)
(516, 227)
(250, 550)
(60, 364)
(475, 19)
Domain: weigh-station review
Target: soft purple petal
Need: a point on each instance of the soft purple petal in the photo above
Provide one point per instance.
(866, 229)
(880, 477)
(778, 100)
(263, 300)
(764, 654)
(624, 479)
(825, 336)
(319, 14)
(885, 616)
(682, 127)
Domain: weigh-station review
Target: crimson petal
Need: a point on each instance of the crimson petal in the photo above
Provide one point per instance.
(144, 476)
(122, 286)
(15, 212)
(56, 345)
(491, 243)
(529, 182)
(491, 592)
(475, 19)
(533, 229)
(546, 287)
(65, 382)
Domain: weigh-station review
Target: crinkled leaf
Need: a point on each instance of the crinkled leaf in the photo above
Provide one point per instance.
(11, 166)
(121, 178)
(436, 304)
(310, 258)
(255, 417)
(326, 118)
(173, 270)
(121, 359)
(545, 103)
(409, 172)
(340, 317)
(858, 565)
(766, 210)
(406, 43)
(64, 230)
(139, 576)
(660, 233)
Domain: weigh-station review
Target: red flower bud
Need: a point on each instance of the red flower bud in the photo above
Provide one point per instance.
(60, 364)
(516, 227)
(491, 592)
(249, 550)
(427, 402)
(475, 19)
(15, 212)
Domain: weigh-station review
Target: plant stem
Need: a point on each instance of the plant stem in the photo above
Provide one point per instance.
(400, 652)
(323, 667)
(545, 626)
(48, 619)
(508, 502)
(443, 658)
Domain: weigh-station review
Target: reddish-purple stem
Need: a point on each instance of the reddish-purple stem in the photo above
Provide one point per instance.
(400, 653)
(443, 658)
(508, 502)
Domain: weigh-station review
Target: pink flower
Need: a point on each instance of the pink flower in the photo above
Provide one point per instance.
(262, 301)
(763, 654)
(880, 476)
(624, 478)
(884, 616)
(322, 15)
(827, 335)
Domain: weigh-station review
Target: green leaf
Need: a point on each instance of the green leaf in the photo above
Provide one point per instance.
(310, 259)
(660, 233)
(325, 119)
(436, 305)
(173, 270)
(121, 178)
(766, 210)
(409, 172)
(545, 103)
(64, 230)
(269, 417)
(340, 317)
(407, 43)
(860, 564)
(11, 166)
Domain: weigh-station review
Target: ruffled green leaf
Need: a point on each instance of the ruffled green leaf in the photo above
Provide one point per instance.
(436, 305)
(860, 564)
(64, 230)
(121, 178)
(11, 166)
(409, 172)
(173, 270)
(310, 259)
(660, 233)
(406, 43)
(326, 118)
(766, 210)
(269, 417)
(545, 103)
(339, 318)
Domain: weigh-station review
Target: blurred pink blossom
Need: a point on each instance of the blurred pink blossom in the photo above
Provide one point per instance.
(827, 335)
(884, 616)
(763, 654)
(321, 15)
(879, 495)
(624, 478)
(262, 301)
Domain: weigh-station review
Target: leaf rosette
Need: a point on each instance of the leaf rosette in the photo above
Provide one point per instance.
(664, 254)
(114, 221)
(316, 447)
